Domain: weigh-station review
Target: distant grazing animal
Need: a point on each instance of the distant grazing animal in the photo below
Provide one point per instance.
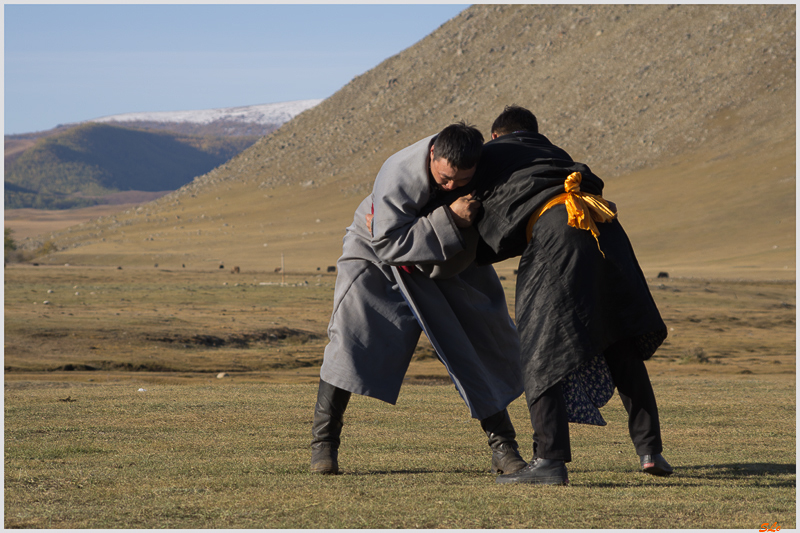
(235, 270)
(332, 269)
(277, 269)
(663, 275)
(222, 266)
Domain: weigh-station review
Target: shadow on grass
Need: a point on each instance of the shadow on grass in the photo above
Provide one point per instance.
(724, 472)
(418, 471)
(718, 472)
(736, 470)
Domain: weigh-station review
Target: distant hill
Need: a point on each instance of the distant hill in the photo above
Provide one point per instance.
(218, 128)
(251, 120)
(686, 111)
(81, 165)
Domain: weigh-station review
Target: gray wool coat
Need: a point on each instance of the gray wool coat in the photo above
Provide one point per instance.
(380, 310)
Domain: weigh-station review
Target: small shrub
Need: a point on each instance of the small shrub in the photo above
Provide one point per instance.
(9, 245)
(18, 254)
(47, 248)
(695, 354)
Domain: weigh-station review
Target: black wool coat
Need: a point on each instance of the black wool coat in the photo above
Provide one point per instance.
(571, 302)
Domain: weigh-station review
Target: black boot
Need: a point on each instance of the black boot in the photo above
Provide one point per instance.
(655, 464)
(327, 428)
(539, 472)
(500, 430)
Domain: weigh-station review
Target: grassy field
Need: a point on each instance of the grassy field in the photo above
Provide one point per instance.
(115, 416)
(235, 455)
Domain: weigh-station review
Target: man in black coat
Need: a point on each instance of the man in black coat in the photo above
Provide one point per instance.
(585, 315)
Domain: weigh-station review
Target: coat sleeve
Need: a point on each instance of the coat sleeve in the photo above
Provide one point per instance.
(458, 263)
(400, 235)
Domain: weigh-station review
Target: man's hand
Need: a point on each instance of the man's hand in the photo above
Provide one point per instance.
(464, 210)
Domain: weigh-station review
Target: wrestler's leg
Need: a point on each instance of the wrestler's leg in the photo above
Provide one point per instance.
(636, 392)
(327, 428)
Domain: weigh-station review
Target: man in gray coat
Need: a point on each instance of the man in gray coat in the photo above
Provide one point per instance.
(393, 283)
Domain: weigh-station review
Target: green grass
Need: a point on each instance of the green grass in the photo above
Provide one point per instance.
(222, 454)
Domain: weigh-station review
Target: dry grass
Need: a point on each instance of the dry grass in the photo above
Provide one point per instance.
(109, 319)
(224, 454)
(266, 324)
(88, 449)
(32, 223)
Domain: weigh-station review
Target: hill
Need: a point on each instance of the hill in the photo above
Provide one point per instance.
(83, 164)
(687, 112)
(207, 130)
(258, 120)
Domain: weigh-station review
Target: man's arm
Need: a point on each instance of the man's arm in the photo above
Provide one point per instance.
(463, 211)
(402, 235)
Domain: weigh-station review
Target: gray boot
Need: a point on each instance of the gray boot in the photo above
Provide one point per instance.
(505, 457)
(327, 429)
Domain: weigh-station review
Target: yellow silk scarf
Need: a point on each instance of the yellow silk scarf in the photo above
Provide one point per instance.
(583, 209)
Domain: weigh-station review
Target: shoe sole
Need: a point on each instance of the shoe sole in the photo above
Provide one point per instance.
(325, 470)
(535, 481)
(656, 471)
(500, 471)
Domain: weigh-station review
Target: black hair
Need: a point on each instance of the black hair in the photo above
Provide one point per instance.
(515, 118)
(460, 144)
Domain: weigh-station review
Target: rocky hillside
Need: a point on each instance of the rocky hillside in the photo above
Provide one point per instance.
(703, 90)
(621, 87)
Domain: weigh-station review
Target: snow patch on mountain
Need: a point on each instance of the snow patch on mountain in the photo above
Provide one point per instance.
(264, 114)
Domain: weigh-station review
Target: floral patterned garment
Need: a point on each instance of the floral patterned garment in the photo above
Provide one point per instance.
(586, 390)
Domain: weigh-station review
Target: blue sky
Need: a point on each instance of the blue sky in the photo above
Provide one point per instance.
(68, 63)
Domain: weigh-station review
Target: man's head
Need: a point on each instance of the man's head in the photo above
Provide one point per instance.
(454, 155)
(514, 118)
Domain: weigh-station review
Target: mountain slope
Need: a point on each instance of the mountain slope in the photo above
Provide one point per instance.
(97, 159)
(686, 111)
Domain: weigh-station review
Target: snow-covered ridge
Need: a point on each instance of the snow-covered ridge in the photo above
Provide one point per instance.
(263, 114)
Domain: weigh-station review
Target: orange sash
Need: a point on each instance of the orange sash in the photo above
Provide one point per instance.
(583, 209)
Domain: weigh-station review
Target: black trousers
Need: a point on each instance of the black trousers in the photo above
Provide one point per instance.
(549, 411)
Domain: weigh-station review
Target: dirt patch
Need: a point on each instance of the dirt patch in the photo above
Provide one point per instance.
(241, 340)
(106, 366)
(432, 380)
